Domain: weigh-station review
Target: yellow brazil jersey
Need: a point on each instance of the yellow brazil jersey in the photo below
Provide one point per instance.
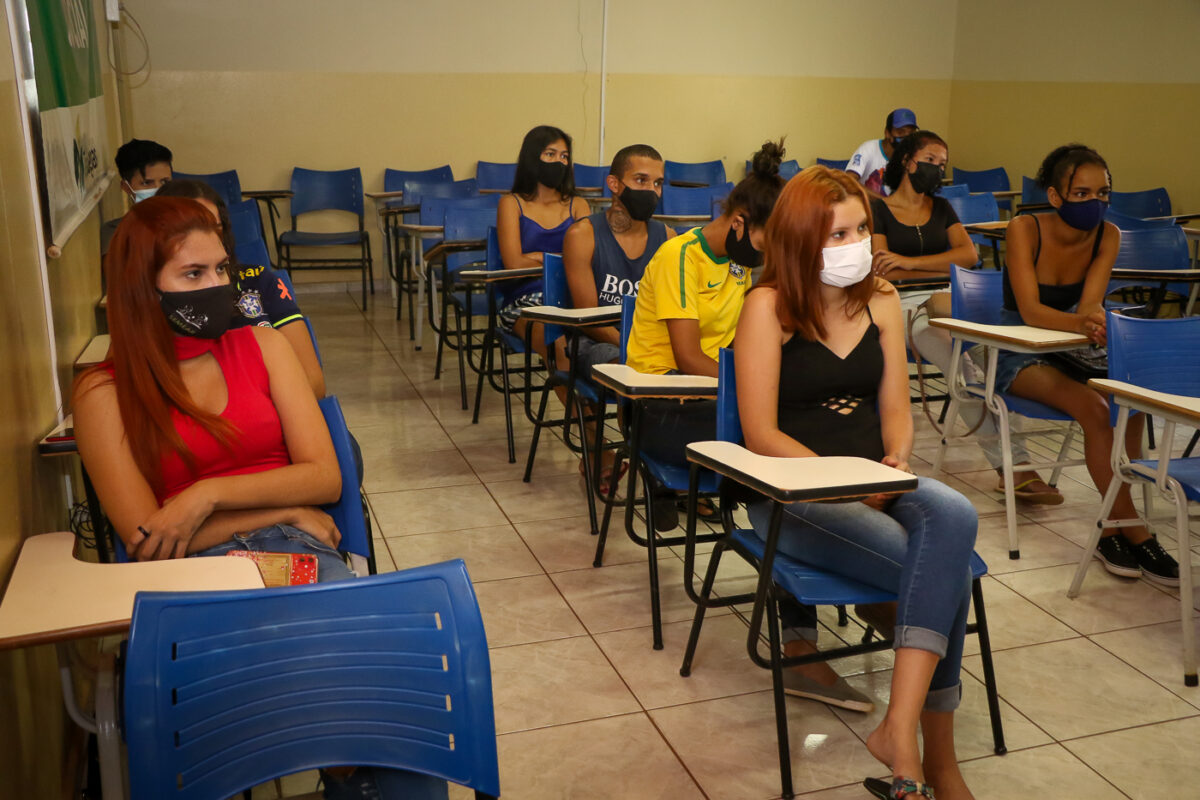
(684, 280)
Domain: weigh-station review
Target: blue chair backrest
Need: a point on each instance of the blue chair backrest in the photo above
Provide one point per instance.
(393, 179)
(976, 295)
(678, 200)
(834, 163)
(433, 208)
(494, 261)
(252, 253)
(707, 173)
(729, 422)
(1154, 248)
(347, 512)
(324, 190)
(954, 190)
(555, 291)
(1148, 203)
(225, 690)
(628, 304)
(414, 191)
(787, 170)
(245, 221)
(492, 175)
(975, 208)
(1158, 354)
(225, 183)
(465, 221)
(1128, 223)
(591, 177)
(984, 180)
(1031, 192)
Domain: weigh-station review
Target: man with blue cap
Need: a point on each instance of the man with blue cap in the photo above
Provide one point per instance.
(871, 157)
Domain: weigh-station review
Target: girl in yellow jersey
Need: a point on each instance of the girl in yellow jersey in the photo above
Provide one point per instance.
(688, 304)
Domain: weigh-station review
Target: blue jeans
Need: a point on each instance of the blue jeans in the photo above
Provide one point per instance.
(286, 539)
(920, 548)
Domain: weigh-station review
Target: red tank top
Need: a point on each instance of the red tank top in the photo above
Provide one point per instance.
(258, 443)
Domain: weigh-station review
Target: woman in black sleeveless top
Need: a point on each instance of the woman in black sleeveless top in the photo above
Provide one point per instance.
(1059, 265)
(821, 371)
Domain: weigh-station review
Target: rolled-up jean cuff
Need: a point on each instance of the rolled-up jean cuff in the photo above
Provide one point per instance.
(797, 634)
(946, 699)
(920, 639)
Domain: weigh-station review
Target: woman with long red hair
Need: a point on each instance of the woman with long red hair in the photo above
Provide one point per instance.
(200, 439)
(822, 371)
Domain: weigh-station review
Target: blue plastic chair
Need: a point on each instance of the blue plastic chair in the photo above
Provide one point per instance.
(978, 296)
(805, 583)
(1032, 194)
(1148, 203)
(320, 190)
(787, 170)
(985, 180)
(394, 179)
(978, 208)
(494, 176)
(245, 222)
(1162, 355)
(954, 190)
(463, 220)
(226, 690)
(681, 201)
(1124, 222)
(700, 173)
(834, 163)
(225, 183)
(1163, 247)
(591, 177)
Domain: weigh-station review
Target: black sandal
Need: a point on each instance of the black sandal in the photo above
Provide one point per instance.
(898, 789)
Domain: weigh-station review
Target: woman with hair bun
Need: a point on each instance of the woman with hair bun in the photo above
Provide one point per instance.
(1056, 276)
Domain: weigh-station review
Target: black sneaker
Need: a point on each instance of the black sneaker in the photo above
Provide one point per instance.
(666, 513)
(1115, 553)
(359, 785)
(1156, 563)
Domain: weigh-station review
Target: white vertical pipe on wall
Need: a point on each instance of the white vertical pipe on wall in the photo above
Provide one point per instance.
(603, 76)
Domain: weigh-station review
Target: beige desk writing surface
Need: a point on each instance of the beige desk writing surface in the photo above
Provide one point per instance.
(95, 352)
(628, 382)
(498, 275)
(999, 226)
(385, 195)
(817, 478)
(572, 316)
(54, 597)
(1184, 408)
(1018, 338)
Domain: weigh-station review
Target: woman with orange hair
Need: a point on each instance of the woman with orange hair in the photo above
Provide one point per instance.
(200, 439)
(821, 371)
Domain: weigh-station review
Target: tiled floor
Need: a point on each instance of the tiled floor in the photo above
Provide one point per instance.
(1094, 704)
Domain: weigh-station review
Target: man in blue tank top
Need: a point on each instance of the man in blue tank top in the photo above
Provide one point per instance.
(605, 254)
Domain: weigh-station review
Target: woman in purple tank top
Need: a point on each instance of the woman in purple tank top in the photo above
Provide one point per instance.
(533, 219)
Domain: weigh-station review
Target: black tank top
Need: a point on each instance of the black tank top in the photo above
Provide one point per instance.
(1060, 297)
(828, 404)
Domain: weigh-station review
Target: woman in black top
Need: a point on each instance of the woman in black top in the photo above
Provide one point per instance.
(1059, 265)
(821, 371)
(914, 228)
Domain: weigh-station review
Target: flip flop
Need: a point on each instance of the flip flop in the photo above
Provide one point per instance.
(897, 789)
(1036, 497)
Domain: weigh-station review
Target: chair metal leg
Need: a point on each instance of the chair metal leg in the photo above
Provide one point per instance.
(781, 726)
(1068, 438)
(652, 563)
(1010, 501)
(1187, 612)
(487, 361)
(989, 669)
(537, 431)
(1187, 451)
(108, 731)
(590, 476)
(463, 344)
(710, 577)
(508, 423)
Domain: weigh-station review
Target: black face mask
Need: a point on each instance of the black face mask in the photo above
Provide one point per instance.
(927, 178)
(551, 173)
(202, 313)
(640, 203)
(740, 251)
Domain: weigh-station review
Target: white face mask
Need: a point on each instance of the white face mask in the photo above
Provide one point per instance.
(142, 194)
(846, 264)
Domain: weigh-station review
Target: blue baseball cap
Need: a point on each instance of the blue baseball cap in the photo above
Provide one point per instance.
(903, 117)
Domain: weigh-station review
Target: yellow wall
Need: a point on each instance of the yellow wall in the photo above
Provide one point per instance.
(1121, 77)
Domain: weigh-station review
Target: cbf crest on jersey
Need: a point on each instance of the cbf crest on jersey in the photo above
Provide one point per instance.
(250, 304)
(737, 270)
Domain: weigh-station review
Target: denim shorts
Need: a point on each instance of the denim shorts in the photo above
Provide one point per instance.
(592, 353)
(286, 539)
(1008, 363)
